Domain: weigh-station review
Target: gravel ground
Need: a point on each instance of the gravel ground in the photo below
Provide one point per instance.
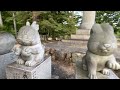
(60, 70)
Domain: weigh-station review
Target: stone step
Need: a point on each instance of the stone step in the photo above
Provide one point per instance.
(82, 32)
(74, 41)
(80, 37)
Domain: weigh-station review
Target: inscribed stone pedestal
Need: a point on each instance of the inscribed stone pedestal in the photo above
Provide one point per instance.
(41, 71)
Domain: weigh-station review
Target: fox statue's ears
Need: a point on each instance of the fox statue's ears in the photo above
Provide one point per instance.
(27, 23)
(34, 25)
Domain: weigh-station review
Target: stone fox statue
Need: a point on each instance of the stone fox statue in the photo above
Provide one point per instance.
(101, 46)
(29, 47)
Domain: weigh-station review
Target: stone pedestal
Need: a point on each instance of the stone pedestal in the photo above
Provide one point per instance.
(5, 59)
(82, 74)
(41, 71)
(88, 20)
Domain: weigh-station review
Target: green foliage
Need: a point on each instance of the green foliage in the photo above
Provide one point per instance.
(7, 29)
(7, 22)
(52, 23)
(57, 23)
(20, 17)
(111, 17)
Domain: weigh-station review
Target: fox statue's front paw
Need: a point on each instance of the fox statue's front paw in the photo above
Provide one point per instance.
(16, 50)
(92, 76)
(113, 65)
(106, 71)
(30, 63)
(20, 61)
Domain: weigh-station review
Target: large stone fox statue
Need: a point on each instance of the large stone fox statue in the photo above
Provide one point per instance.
(101, 46)
(29, 47)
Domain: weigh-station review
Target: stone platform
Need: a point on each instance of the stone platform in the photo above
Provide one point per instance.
(41, 71)
(82, 74)
(81, 34)
(80, 37)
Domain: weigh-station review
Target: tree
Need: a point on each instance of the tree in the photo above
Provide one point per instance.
(14, 22)
(111, 17)
(1, 22)
(57, 23)
(52, 23)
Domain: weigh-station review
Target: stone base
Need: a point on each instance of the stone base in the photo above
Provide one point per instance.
(41, 71)
(83, 32)
(80, 37)
(4, 61)
(82, 74)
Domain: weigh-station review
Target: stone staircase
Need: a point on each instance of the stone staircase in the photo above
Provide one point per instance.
(79, 39)
(81, 34)
(76, 43)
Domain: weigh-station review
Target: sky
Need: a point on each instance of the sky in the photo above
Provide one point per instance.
(78, 13)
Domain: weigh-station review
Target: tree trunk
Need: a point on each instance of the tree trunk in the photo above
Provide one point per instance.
(53, 35)
(1, 22)
(34, 15)
(14, 22)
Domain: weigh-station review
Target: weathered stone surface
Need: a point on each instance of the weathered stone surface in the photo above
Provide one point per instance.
(7, 42)
(29, 48)
(4, 61)
(82, 74)
(41, 71)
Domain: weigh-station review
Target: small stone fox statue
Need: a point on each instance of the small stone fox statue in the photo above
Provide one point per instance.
(29, 49)
(101, 46)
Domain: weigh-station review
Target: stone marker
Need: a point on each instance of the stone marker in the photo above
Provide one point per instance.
(82, 74)
(41, 71)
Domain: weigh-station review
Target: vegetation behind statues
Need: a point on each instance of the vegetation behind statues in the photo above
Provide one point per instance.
(55, 23)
